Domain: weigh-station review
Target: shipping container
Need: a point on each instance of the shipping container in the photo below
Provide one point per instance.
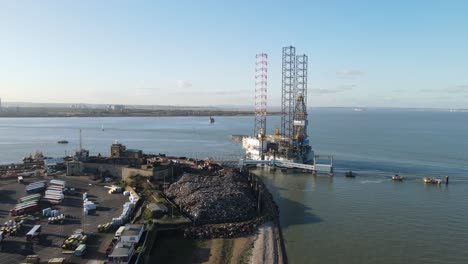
(33, 232)
(80, 250)
(57, 261)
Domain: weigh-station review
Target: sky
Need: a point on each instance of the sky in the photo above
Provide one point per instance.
(202, 53)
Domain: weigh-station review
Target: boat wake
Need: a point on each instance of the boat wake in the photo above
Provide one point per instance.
(372, 181)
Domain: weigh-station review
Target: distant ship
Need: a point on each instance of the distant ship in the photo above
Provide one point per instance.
(102, 127)
(211, 120)
(359, 109)
(62, 142)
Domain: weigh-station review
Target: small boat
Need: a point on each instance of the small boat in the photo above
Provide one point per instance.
(62, 142)
(432, 180)
(211, 120)
(350, 174)
(397, 177)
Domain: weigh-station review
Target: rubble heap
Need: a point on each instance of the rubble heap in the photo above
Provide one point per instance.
(221, 198)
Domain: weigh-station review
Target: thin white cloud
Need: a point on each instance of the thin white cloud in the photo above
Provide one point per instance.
(216, 92)
(455, 89)
(183, 83)
(390, 98)
(338, 89)
(349, 73)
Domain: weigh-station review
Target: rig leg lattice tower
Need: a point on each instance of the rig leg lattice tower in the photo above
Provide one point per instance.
(301, 77)
(300, 111)
(261, 78)
(288, 90)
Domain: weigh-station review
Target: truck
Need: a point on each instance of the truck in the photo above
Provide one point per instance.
(119, 231)
(33, 197)
(38, 183)
(26, 203)
(55, 188)
(33, 259)
(36, 230)
(35, 187)
(80, 250)
(23, 209)
(57, 183)
(53, 199)
(56, 192)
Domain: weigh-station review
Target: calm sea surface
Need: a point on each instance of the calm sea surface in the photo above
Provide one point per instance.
(368, 219)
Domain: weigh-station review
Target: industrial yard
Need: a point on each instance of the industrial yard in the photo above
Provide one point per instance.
(47, 244)
(118, 209)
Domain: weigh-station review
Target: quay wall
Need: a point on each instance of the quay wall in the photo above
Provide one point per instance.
(155, 173)
(113, 169)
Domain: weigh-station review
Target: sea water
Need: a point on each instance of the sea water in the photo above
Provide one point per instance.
(366, 219)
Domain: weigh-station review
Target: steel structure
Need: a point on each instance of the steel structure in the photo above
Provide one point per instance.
(288, 90)
(261, 83)
(300, 123)
(289, 146)
(301, 77)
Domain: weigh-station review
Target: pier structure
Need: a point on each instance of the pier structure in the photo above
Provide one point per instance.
(314, 168)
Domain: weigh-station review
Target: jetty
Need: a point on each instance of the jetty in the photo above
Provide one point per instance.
(314, 168)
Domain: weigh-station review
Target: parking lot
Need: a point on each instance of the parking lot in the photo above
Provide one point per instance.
(14, 249)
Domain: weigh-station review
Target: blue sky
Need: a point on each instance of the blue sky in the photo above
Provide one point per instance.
(361, 53)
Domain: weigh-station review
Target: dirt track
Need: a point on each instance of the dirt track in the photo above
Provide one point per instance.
(267, 246)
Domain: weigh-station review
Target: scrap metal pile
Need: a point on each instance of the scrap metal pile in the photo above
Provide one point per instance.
(221, 198)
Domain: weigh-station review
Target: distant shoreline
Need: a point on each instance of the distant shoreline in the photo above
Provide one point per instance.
(28, 112)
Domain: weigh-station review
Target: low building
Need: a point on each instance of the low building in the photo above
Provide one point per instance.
(122, 252)
(116, 108)
(74, 168)
(157, 209)
(118, 150)
(132, 234)
(81, 155)
(54, 163)
(157, 173)
(133, 153)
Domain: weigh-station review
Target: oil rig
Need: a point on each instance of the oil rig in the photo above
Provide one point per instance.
(289, 146)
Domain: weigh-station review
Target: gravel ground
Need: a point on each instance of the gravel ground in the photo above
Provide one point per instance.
(222, 198)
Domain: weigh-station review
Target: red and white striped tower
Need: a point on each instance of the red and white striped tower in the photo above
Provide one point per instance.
(261, 78)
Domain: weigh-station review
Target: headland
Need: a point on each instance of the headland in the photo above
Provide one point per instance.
(134, 207)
